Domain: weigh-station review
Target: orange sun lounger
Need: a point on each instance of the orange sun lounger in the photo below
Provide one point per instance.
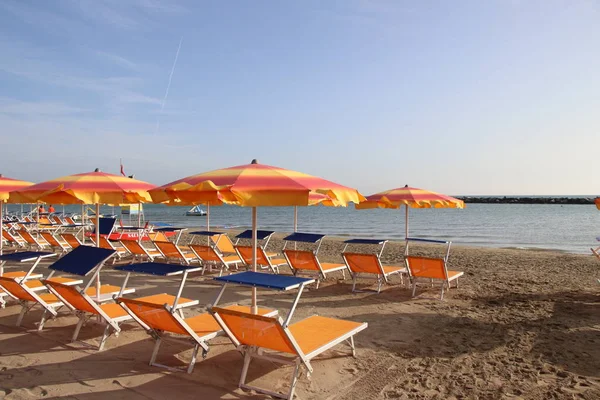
(210, 257)
(171, 251)
(85, 308)
(306, 261)
(258, 336)
(161, 322)
(262, 258)
(370, 264)
(139, 252)
(429, 268)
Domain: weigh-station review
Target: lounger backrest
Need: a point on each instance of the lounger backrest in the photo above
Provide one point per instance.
(223, 243)
(50, 239)
(57, 220)
(6, 235)
(169, 249)
(71, 239)
(205, 253)
(45, 221)
(72, 296)
(105, 244)
(158, 237)
(154, 315)
(302, 259)
(255, 330)
(134, 247)
(15, 289)
(363, 263)
(71, 221)
(426, 267)
(245, 253)
(27, 236)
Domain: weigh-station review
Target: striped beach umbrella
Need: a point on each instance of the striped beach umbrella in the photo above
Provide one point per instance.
(8, 185)
(88, 188)
(410, 197)
(255, 185)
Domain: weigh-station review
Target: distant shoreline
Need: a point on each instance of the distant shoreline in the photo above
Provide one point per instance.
(526, 200)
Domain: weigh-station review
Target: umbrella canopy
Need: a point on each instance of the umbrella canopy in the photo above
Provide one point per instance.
(8, 185)
(410, 197)
(87, 188)
(254, 185)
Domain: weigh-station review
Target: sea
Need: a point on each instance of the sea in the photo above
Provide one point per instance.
(569, 228)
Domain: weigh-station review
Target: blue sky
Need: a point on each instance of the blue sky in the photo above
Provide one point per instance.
(465, 97)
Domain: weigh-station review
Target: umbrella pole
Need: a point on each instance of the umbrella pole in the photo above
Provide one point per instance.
(1, 231)
(254, 246)
(83, 223)
(208, 216)
(295, 223)
(97, 224)
(406, 224)
(139, 214)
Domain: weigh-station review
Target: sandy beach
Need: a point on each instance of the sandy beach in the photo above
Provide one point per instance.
(522, 325)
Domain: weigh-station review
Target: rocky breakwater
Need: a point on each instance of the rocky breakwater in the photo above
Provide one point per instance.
(526, 200)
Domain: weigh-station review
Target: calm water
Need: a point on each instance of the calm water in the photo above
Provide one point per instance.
(571, 228)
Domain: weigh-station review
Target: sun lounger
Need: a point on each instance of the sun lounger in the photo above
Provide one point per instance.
(305, 261)
(139, 252)
(222, 242)
(161, 322)
(20, 276)
(262, 259)
(370, 264)
(13, 239)
(84, 307)
(596, 251)
(261, 235)
(211, 258)
(269, 338)
(82, 261)
(170, 251)
(57, 243)
(431, 269)
(32, 241)
(71, 239)
(120, 251)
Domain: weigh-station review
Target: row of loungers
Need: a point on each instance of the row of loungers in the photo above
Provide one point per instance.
(259, 334)
(222, 254)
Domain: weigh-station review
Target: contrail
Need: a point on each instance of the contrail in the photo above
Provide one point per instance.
(162, 106)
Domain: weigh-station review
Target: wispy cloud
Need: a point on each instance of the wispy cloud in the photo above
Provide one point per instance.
(118, 60)
(31, 108)
(125, 14)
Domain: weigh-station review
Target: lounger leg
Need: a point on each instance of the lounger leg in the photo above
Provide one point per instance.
(194, 355)
(78, 328)
(354, 276)
(155, 351)
(24, 310)
(414, 287)
(104, 337)
(42, 320)
(352, 346)
(379, 282)
(180, 312)
(294, 381)
(247, 358)
(456, 284)
(442, 294)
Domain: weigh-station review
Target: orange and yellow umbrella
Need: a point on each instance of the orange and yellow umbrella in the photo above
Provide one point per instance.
(410, 197)
(8, 185)
(88, 188)
(255, 185)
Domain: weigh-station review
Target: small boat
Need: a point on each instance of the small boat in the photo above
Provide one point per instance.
(195, 211)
